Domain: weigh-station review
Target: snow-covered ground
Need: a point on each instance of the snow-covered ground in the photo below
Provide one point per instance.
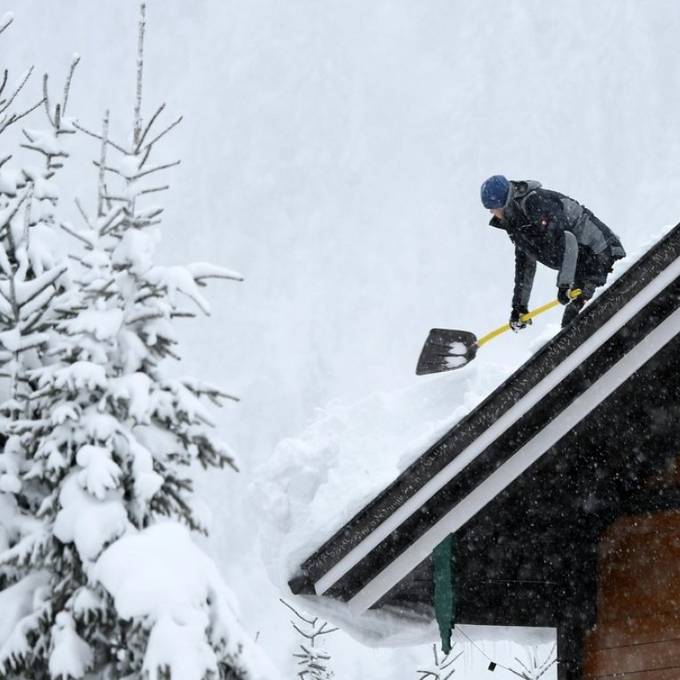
(332, 152)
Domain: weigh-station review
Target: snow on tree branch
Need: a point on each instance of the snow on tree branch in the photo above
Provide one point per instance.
(313, 659)
(444, 666)
(97, 469)
(5, 21)
(8, 118)
(535, 666)
(137, 129)
(86, 131)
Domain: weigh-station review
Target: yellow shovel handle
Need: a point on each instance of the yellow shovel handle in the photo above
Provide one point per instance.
(525, 317)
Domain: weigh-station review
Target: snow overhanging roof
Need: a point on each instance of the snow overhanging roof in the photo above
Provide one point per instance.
(618, 333)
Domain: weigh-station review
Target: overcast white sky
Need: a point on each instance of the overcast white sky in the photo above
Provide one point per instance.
(332, 152)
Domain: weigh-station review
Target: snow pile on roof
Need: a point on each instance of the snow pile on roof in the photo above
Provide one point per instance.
(622, 266)
(317, 481)
(161, 576)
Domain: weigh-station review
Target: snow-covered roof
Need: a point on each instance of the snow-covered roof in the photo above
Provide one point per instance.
(508, 433)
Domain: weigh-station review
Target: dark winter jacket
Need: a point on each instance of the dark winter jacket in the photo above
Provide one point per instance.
(557, 231)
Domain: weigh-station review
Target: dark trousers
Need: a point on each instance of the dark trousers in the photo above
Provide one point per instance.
(591, 273)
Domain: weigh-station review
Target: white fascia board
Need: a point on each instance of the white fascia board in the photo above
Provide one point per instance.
(511, 416)
(517, 464)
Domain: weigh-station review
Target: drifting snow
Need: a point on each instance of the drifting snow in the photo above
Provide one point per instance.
(317, 481)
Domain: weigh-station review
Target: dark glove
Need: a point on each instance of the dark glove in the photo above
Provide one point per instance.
(563, 295)
(516, 322)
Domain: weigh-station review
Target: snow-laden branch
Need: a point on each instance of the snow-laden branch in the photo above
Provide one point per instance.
(83, 214)
(444, 666)
(202, 388)
(112, 144)
(15, 117)
(205, 270)
(5, 104)
(83, 237)
(536, 667)
(130, 173)
(140, 73)
(110, 223)
(46, 101)
(67, 84)
(156, 168)
(162, 134)
(45, 143)
(27, 291)
(101, 182)
(5, 22)
(35, 317)
(312, 660)
(56, 115)
(153, 190)
(8, 214)
(10, 118)
(152, 120)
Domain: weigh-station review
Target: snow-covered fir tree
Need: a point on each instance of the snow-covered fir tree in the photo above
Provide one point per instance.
(29, 195)
(103, 576)
(31, 281)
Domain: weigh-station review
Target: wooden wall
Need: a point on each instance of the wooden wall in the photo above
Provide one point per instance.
(637, 635)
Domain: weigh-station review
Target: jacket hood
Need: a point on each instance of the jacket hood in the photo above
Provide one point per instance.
(518, 190)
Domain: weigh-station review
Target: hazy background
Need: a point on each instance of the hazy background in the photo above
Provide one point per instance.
(332, 151)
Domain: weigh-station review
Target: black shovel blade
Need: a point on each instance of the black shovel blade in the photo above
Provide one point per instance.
(446, 350)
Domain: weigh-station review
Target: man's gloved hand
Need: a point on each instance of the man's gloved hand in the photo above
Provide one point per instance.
(516, 322)
(563, 295)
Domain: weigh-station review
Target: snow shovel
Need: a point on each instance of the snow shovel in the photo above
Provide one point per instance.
(446, 350)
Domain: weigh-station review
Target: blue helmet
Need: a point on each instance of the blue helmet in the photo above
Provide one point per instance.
(495, 192)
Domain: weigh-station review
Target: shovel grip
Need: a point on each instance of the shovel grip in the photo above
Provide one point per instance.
(526, 317)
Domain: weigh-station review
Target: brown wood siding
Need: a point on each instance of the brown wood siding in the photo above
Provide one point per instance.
(637, 635)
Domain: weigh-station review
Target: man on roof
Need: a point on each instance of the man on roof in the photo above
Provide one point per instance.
(557, 231)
